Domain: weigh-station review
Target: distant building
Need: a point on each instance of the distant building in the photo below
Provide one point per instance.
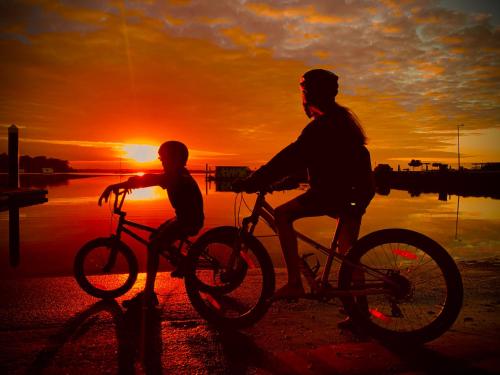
(487, 166)
(231, 172)
(442, 167)
(382, 168)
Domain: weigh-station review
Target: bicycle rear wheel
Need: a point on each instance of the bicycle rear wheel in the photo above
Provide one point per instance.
(423, 287)
(105, 268)
(231, 280)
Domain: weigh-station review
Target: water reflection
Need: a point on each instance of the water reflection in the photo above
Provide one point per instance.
(40, 181)
(52, 233)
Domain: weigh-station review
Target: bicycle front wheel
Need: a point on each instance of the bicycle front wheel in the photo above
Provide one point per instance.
(231, 279)
(419, 286)
(105, 268)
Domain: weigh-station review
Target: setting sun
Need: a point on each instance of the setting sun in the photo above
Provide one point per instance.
(140, 153)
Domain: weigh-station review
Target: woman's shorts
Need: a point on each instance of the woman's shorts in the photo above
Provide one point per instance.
(316, 204)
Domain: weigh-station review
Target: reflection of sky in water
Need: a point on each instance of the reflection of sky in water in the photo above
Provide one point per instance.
(53, 232)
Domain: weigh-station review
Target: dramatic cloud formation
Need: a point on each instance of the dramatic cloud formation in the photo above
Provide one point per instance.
(222, 76)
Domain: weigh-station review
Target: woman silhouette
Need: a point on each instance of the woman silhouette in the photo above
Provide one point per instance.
(332, 149)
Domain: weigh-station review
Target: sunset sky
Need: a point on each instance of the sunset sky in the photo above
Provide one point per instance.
(94, 82)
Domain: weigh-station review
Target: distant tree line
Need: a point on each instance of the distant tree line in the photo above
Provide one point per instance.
(36, 164)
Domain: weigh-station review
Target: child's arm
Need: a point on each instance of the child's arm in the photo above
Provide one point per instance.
(132, 183)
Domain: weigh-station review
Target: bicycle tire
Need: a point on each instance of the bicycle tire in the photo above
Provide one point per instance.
(199, 250)
(197, 290)
(386, 327)
(128, 260)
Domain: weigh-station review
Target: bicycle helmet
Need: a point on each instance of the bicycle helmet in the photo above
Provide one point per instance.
(319, 84)
(174, 152)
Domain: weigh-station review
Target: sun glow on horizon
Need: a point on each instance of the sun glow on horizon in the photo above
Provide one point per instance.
(146, 194)
(140, 153)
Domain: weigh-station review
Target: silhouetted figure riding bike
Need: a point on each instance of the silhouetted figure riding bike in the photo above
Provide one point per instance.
(383, 277)
(332, 149)
(107, 256)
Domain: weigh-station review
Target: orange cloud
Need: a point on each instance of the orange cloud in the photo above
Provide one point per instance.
(238, 36)
(308, 13)
(143, 73)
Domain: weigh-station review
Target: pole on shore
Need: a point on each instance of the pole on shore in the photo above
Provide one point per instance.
(13, 157)
(14, 253)
(458, 144)
(207, 172)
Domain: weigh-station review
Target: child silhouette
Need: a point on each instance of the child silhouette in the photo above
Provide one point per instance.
(186, 199)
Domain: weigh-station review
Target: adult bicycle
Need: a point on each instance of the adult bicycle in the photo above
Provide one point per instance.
(410, 290)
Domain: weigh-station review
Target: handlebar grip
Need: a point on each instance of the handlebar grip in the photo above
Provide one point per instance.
(286, 184)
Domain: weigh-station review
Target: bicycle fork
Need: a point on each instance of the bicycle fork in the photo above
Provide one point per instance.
(113, 253)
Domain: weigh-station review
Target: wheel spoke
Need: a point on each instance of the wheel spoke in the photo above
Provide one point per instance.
(416, 272)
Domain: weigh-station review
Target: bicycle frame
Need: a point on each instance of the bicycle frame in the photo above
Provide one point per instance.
(122, 223)
(121, 228)
(264, 210)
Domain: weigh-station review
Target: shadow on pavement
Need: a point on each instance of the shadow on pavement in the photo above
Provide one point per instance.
(138, 334)
(241, 354)
(139, 341)
(430, 361)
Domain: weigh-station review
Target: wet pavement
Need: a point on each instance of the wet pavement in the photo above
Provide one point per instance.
(49, 325)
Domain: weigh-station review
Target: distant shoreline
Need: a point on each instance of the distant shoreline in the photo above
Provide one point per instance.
(97, 173)
(46, 180)
(460, 183)
(475, 183)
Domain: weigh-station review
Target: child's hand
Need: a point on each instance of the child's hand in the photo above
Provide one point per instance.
(105, 194)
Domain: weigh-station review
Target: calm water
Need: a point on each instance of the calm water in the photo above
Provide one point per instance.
(52, 233)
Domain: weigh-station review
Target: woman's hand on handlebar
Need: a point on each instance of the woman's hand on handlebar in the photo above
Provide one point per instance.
(248, 185)
(244, 184)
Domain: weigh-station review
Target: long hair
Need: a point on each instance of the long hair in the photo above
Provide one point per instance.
(350, 123)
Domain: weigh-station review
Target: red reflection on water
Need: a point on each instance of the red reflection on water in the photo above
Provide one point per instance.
(405, 254)
(377, 314)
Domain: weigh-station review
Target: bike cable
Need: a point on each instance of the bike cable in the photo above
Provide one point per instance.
(239, 208)
(234, 210)
(111, 217)
(246, 205)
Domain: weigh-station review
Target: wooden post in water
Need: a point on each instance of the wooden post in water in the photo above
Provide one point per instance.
(13, 157)
(14, 255)
(14, 236)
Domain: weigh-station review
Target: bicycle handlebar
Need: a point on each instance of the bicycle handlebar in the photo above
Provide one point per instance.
(283, 185)
(288, 183)
(118, 202)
